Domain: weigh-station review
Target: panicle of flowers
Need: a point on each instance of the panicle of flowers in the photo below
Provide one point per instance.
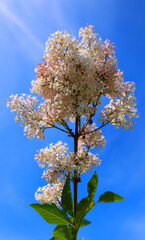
(35, 119)
(49, 193)
(74, 73)
(72, 79)
(121, 110)
(58, 163)
(24, 110)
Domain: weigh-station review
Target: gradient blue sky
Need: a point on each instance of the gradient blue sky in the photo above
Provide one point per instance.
(25, 25)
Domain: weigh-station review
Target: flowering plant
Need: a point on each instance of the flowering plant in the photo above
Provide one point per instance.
(75, 81)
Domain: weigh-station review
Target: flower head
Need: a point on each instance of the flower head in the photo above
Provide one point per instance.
(73, 78)
(75, 81)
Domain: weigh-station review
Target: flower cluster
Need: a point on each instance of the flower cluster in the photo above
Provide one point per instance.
(34, 119)
(58, 163)
(73, 80)
(49, 193)
(24, 109)
(75, 74)
(121, 110)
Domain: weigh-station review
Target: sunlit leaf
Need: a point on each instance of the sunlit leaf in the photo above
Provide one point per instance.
(110, 197)
(92, 184)
(66, 197)
(51, 213)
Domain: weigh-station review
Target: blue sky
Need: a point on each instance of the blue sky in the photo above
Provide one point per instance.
(25, 26)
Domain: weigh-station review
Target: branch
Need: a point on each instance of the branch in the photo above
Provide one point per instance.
(103, 124)
(66, 127)
(52, 125)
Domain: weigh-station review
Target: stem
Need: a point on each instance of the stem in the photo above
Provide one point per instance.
(75, 173)
(67, 127)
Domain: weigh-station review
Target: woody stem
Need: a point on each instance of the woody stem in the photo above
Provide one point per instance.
(75, 172)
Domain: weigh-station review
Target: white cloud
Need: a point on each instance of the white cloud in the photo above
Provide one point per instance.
(54, 12)
(22, 31)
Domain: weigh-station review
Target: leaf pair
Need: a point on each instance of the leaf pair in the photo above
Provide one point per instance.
(67, 225)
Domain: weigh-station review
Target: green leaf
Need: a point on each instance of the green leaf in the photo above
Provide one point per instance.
(92, 184)
(51, 213)
(53, 238)
(110, 197)
(84, 206)
(66, 197)
(62, 233)
(84, 222)
(87, 203)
